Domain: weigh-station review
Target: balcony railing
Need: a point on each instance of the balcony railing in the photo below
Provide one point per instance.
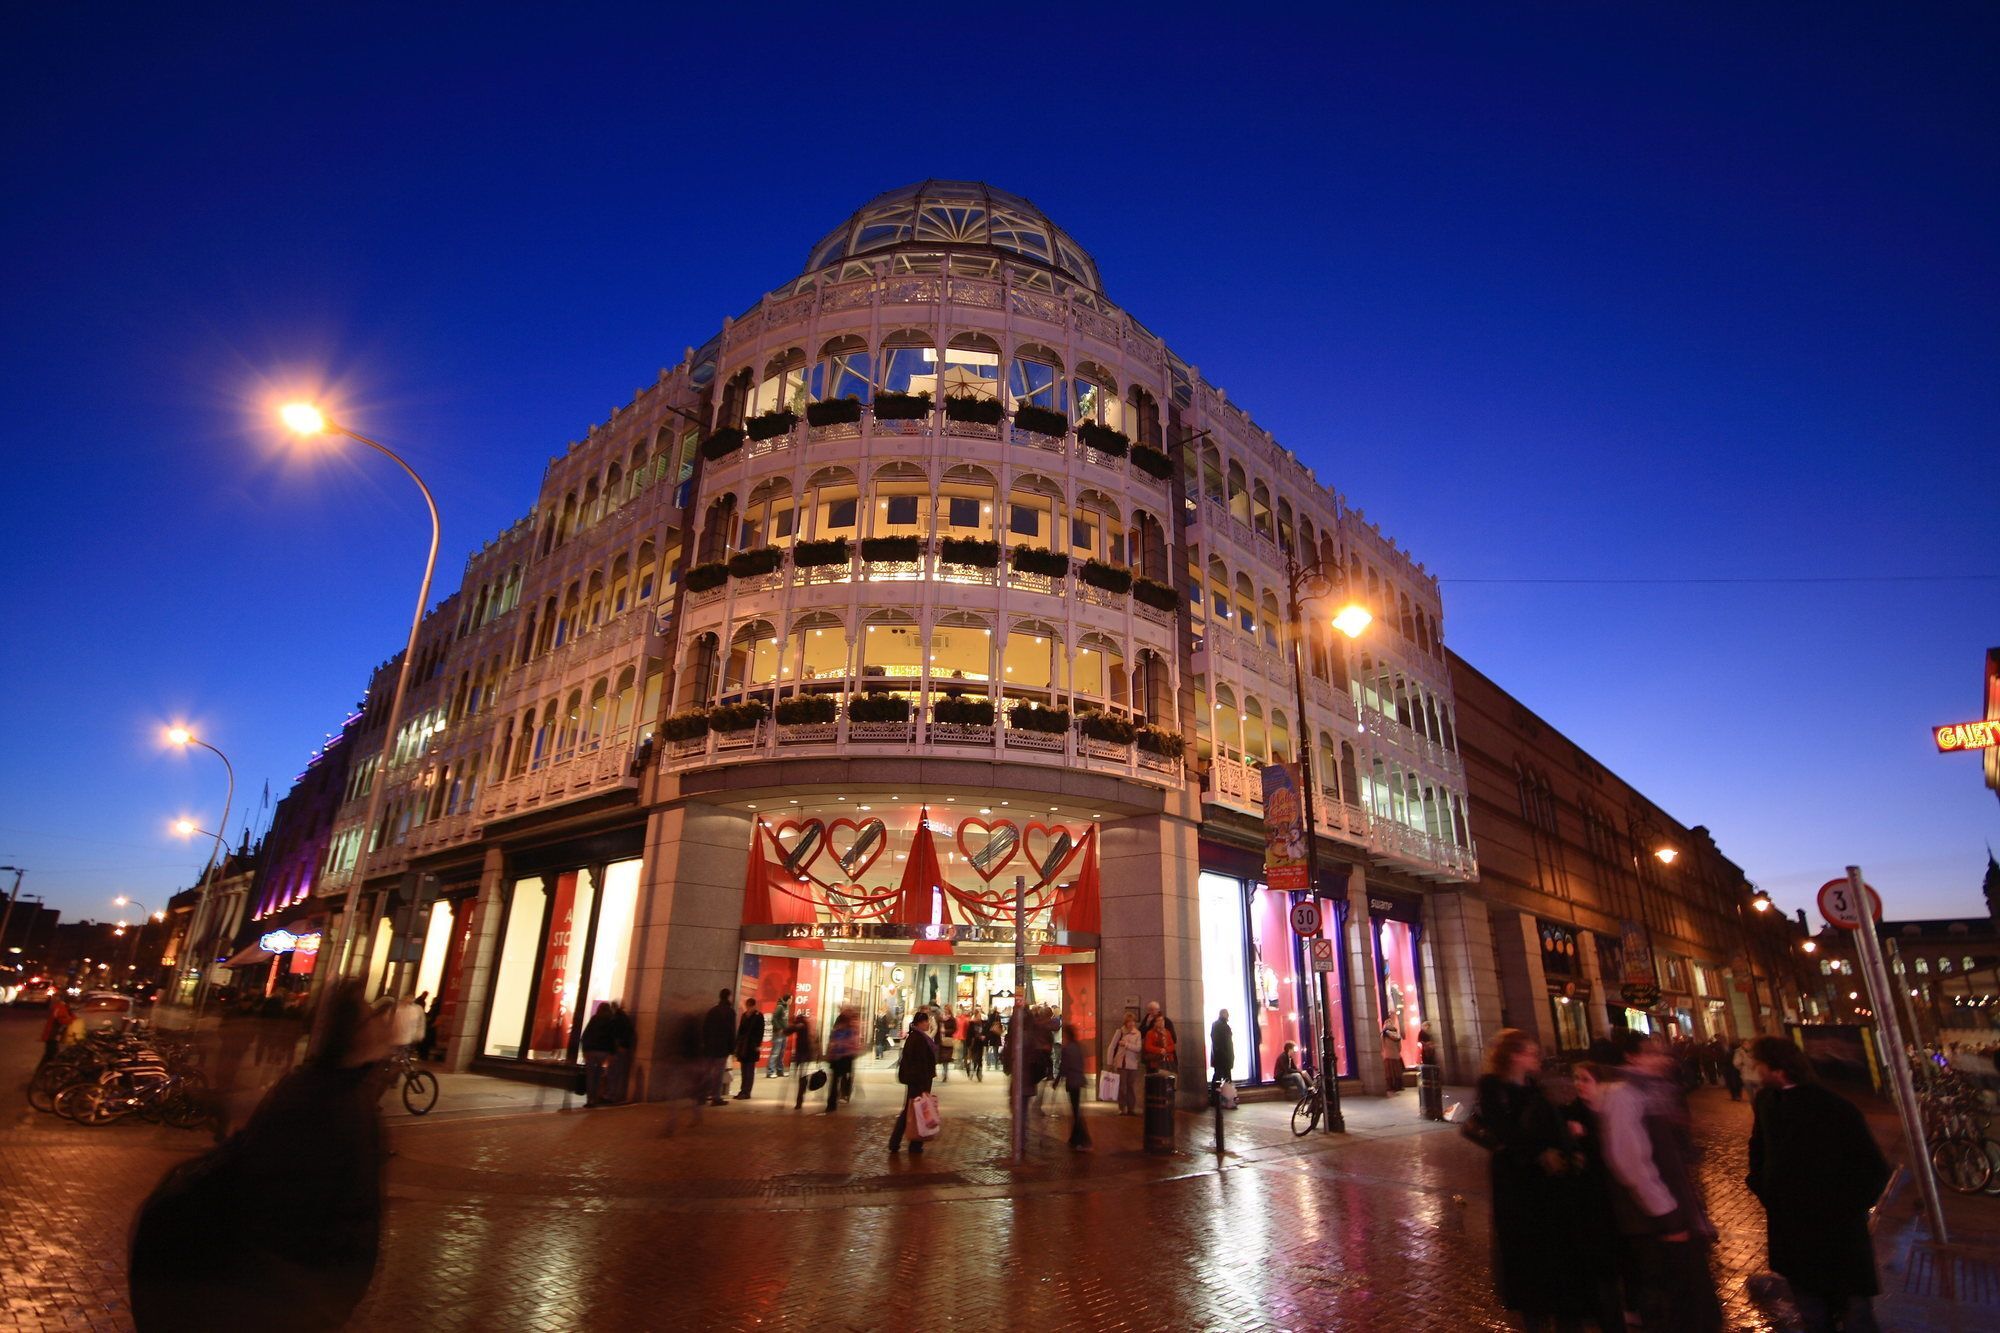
(1239, 785)
(572, 777)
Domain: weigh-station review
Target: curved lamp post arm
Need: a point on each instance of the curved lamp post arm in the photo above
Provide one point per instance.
(208, 873)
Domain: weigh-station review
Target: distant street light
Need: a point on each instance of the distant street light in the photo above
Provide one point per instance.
(1667, 854)
(306, 419)
(183, 737)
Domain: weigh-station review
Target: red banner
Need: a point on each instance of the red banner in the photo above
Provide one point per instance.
(549, 1034)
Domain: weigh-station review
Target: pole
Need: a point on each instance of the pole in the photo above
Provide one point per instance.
(1897, 976)
(1020, 1052)
(342, 935)
(7, 917)
(1894, 1055)
(1329, 1075)
(204, 959)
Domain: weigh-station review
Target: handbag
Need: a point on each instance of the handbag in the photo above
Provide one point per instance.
(817, 1081)
(1474, 1131)
(924, 1115)
(1225, 1092)
(1107, 1086)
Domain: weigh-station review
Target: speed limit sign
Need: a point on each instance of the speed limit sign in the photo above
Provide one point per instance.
(1305, 917)
(1837, 905)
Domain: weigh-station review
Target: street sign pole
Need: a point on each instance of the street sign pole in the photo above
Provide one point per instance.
(1882, 999)
(1020, 1019)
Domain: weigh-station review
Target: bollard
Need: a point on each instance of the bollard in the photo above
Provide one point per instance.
(1430, 1092)
(1159, 1121)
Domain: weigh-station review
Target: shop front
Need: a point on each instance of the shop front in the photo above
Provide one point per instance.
(1569, 990)
(1397, 922)
(1254, 965)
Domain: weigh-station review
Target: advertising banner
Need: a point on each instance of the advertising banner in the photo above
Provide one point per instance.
(1284, 828)
(550, 1032)
(1641, 987)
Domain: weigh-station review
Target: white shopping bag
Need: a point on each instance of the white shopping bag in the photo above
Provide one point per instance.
(924, 1115)
(1225, 1091)
(1107, 1086)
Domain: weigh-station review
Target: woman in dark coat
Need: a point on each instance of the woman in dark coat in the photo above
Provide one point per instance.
(1817, 1171)
(1535, 1223)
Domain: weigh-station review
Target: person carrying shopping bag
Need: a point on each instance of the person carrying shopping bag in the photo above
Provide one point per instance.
(916, 1071)
(1122, 1063)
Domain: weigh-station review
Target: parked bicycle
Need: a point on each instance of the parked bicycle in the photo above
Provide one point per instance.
(420, 1085)
(1311, 1108)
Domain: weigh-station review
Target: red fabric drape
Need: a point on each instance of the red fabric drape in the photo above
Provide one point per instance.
(1080, 909)
(922, 877)
(773, 897)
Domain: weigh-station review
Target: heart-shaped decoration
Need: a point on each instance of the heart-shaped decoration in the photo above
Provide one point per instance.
(996, 844)
(862, 846)
(807, 840)
(1048, 858)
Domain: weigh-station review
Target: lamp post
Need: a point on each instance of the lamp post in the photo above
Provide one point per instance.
(304, 419)
(7, 917)
(183, 737)
(138, 931)
(1350, 620)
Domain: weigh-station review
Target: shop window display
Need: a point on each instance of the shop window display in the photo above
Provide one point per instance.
(1401, 998)
(565, 947)
(1224, 982)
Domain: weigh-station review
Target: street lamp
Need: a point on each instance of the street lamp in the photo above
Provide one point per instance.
(306, 419)
(138, 931)
(180, 735)
(1350, 620)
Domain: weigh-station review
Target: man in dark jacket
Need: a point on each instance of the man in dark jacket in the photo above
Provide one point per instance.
(749, 1040)
(1818, 1171)
(915, 1071)
(1221, 1047)
(718, 1037)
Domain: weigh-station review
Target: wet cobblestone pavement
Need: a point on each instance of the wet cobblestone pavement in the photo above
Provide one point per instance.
(759, 1216)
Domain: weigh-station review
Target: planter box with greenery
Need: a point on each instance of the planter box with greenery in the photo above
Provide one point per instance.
(738, 717)
(1106, 727)
(772, 424)
(703, 578)
(687, 726)
(1160, 741)
(755, 563)
(954, 711)
(882, 549)
(1111, 578)
(807, 709)
(722, 444)
(816, 554)
(878, 708)
(1040, 420)
(981, 411)
(1104, 439)
(903, 406)
(833, 412)
(1152, 462)
(1033, 717)
(970, 551)
(1151, 592)
(1049, 564)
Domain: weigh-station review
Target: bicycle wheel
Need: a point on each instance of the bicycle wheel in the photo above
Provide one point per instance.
(1992, 1147)
(85, 1103)
(1305, 1116)
(420, 1091)
(1961, 1165)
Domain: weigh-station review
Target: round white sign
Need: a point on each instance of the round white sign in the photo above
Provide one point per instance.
(1305, 917)
(1837, 905)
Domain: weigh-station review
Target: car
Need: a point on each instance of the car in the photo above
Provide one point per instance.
(102, 1008)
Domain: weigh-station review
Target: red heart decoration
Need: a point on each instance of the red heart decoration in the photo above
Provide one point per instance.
(1040, 859)
(855, 872)
(992, 831)
(800, 829)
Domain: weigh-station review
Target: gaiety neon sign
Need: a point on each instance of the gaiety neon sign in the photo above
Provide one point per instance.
(1967, 735)
(283, 941)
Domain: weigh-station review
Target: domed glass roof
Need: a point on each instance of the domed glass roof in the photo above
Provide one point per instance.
(937, 215)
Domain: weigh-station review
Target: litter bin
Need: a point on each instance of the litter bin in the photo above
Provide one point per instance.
(1159, 1122)
(1430, 1092)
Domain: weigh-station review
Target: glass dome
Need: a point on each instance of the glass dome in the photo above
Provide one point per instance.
(955, 215)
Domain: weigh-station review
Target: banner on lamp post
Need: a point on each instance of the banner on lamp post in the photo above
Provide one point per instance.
(1641, 985)
(1284, 828)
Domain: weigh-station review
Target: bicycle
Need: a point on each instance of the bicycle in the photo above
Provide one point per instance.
(1311, 1108)
(420, 1085)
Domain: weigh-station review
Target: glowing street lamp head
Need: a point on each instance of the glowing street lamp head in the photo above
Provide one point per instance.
(1667, 855)
(1762, 902)
(1810, 946)
(303, 419)
(184, 827)
(121, 900)
(1352, 619)
(179, 735)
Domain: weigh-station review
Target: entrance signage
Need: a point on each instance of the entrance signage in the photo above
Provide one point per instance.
(1639, 973)
(1639, 996)
(1284, 829)
(1305, 917)
(283, 941)
(1322, 955)
(1837, 905)
(891, 931)
(1967, 735)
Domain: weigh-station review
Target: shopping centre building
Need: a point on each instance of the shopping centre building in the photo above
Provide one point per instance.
(931, 583)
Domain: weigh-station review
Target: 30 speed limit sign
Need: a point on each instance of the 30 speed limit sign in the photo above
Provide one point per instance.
(1305, 917)
(1837, 905)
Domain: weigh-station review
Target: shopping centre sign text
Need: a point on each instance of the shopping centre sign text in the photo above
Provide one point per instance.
(1967, 736)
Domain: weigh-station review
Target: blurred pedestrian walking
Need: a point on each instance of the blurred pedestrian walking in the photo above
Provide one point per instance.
(718, 1039)
(1650, 1152)
(749, 1041)
(1073, 1078)
(842, 1045)
(947, 1042)
(915, 1070)
(972, 1045)
(598, 1043)
(803, 1053)
(54, 1025)
(1221, 1048)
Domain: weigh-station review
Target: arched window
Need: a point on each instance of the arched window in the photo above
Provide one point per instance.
(845, 370)
(819, 649)
(644, 572)
(1035, 377)
(528, 638)
(697, 678)
(901, 503)
(1212, 483)
(1034, 511)
(1228, 724)
(549, 636)
(1260, 508)
(1281, 737)
(1350, 778)
(961, 653)
(1094, 528)
(1100, 671)
(1147, 549)
(892, 649)
(572, 610)
(832, 502)
(909, 363)
(594, 603)
(621, 717)
(1142, 417)
(572, 724)
(614, 487)
(1153, 689)
(768, 518)
(753, 658)
(1246, 604)
(735, 400)
(1239, 492)
(1097, 396)
(971, 367)
(1326, 766)
(1218, 592)
(1032, 659)
(566, 525)
(621, 583)
(525, 744)
(1256, 743)
(1285, 530)
(717, 528)
(593, 509)
(1271, 618)
(965, 502)
(784, 383)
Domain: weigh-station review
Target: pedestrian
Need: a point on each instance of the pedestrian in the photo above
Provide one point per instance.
(780, 1023)
(915, 1070)
(1650, 1153)
(947, 1041)
(624, 1038)
(749, 1040)
(800, 1035)
(319, 1132)
(1817, 1171)
(409, 1023)
(842, 1045)
(431, 1015)
(718, 1039)
(1160, 1051)
(55, 1025)
(1430, 1078)
(1603, 1261)
(1073, 1076)
(1285, 1072)
(881, 1035)
(1392, 1056)
(1124, 1059)
(972, 1042)
(1533, 1233)
(996, 1037)
(598, 1043)
(1732, 1077)
(1221, 1048)
(1155, 1016)
(1745, 1064)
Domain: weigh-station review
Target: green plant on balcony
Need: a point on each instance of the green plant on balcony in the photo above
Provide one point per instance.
(1152, 462)
(903, 406)
(1034, 717)
(1031, 560)
(834, 412)
(878, 708)
(969, 551)
(1109, 727)
(1104, 439)
(771, 425)
(708, 576)
(722, 444)
(808, 708)
(738, 717)
(1151, 592)
(756, 562)
(826, 551)
(1160, 741)
(954, 710)
(1041, 420)
(691, 724)
(1111, 578)
(979, 411)
(881, 550)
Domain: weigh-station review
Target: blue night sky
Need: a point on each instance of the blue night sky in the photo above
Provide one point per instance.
(1620, 292)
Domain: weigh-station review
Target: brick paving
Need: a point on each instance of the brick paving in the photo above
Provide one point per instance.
(512, 1217)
